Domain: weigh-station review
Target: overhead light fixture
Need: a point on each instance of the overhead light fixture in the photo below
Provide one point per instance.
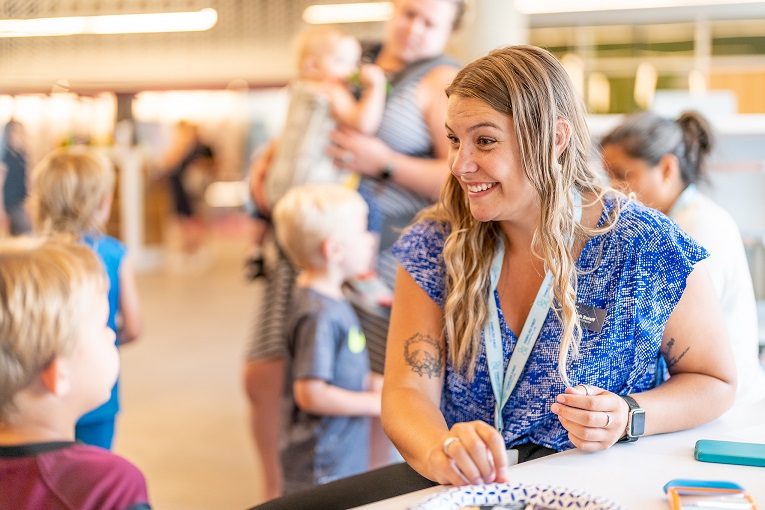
(553, 6)
(194, 21)
(697, 83)
(348, 13)
(574, 66)
(645, 85)
(598, 93)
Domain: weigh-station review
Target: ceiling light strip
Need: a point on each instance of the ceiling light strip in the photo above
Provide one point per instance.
(555, 6)
(195, 21)
(348, 13)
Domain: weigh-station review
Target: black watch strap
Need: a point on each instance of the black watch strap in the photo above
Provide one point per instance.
(635, 421)
(387, 172)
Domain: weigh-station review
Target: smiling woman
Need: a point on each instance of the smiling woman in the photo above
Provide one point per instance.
(578, 297)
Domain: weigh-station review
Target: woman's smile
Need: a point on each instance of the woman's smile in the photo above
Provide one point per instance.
(480, 189)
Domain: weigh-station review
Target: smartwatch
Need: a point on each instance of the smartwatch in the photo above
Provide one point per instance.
(387, 172)
(635, 421)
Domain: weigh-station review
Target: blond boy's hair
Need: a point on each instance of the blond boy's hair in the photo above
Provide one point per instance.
(318, 40)
(42, 283)
(69, 187)
(307, 216)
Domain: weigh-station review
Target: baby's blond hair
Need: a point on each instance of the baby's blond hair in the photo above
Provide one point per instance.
(42, 284)
(69, 187)
(318, 40)
(307, 216)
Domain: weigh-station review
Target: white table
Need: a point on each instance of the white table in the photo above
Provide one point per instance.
(634, 474)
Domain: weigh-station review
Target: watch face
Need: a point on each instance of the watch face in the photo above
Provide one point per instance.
(637, 424)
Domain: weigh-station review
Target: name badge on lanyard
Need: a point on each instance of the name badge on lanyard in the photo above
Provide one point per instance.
(590, 318)
(503, 386)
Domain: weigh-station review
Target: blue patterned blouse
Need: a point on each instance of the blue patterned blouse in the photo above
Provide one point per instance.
(636, 272)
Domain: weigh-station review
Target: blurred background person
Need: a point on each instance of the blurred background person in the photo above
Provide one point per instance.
(402, 166)
(190, 166)
(662, 160)
(13, 180)
(321, 98)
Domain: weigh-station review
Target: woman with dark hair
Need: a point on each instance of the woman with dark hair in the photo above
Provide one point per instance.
(662, 160)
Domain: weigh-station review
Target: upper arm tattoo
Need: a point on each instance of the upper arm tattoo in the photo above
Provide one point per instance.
(669, 357)
(425, 355)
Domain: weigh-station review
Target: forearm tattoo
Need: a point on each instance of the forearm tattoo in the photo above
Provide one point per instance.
(425, 355)
(667, 353)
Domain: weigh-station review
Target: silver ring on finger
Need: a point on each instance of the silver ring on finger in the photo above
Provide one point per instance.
(447, 443)
(586, 389)
(347, 157)
(608, 420)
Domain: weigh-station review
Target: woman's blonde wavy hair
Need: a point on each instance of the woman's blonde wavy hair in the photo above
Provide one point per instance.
(529, 85)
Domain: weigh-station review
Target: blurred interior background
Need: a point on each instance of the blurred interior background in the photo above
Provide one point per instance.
(226, 72)
(128, 89)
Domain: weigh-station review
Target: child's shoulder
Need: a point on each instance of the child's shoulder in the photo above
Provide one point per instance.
(65, 467)
(105, 246)
(98, 238)
(90, 459)
(94, 467)
(310, 301)
(320, 311)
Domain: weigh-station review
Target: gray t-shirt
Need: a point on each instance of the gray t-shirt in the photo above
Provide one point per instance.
(325, 342)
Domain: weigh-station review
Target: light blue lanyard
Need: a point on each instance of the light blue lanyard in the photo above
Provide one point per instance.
(683, 201)
(503, 388)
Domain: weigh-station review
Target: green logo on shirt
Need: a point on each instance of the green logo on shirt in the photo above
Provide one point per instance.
(357, 342)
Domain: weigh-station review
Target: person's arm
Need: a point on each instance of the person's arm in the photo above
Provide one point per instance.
(317, 396)
(264, 384)
(3, 215)
(258, 171)
(414, 376)
(375, 382)
(129, 304)
(365, 114)
(702, 385)
(369, 155)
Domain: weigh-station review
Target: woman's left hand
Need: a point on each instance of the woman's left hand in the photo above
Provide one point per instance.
(357, 152)
(595, 418)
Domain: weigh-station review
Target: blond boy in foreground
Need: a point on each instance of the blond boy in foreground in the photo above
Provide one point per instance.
(57, 361)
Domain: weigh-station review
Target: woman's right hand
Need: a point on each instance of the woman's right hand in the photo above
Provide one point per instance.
(470, 453)
(356, 152)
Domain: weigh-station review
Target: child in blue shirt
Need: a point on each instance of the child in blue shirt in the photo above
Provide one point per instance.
(72, 194)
